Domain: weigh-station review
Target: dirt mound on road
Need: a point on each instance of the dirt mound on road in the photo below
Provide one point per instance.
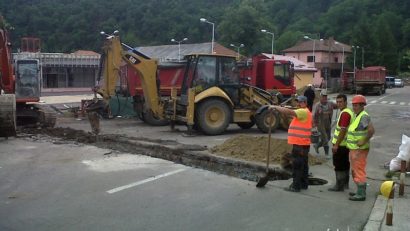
(252, 148)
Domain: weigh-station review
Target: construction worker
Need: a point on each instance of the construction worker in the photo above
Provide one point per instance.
(299, 133)
(358, 136)
(340, 152)
(322, 121)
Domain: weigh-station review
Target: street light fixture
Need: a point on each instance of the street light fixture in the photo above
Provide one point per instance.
(343, 57)
(237, 47)
(179, 46)
(271, 33)
(213, 32)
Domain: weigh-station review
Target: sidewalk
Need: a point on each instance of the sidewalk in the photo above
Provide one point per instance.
(401, 213)
(65, 99)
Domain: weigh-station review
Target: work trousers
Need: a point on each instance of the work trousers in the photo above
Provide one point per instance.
(300, 166)
(324, 129)
(358, 161)
(341, 159)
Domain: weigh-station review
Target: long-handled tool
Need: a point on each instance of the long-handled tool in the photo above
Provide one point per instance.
(263, 180)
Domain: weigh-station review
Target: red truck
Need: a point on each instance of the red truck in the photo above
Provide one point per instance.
(269, 74)
(367, 80)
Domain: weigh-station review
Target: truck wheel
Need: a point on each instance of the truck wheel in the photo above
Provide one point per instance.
(263, 121)
(148, 118)
(213, 116)
(246, 125)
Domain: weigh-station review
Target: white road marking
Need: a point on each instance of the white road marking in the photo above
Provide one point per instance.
(402, 103)
(393, 102)
(374, 101)
(114, 190)
(384, 102)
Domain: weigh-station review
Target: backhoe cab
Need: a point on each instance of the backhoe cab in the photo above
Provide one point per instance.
(211, 96)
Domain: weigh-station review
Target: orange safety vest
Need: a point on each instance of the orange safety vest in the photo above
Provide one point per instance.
(299, 132)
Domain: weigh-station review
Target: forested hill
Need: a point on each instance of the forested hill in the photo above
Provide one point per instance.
(382, 27)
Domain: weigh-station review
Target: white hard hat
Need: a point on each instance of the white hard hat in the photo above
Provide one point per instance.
(323, 92)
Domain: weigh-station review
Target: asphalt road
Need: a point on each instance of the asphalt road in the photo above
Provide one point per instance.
(46, 184)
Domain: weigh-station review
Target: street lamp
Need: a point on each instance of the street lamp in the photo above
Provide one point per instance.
(179, 46)
(343, 57)
(354, 63)
(362, 57)
(213, 32)
(237, 47)
(314, 46)
(271, 33)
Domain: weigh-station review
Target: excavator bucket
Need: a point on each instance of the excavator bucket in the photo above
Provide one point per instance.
(7, 115)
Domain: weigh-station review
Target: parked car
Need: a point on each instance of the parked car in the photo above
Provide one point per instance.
(398, 83)
(389, 81)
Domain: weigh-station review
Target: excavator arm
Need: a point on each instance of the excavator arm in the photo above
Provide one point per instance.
(6, 66)
(114, 55)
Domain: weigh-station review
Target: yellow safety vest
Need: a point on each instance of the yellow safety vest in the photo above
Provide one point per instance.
(354, 136)
(337, 129)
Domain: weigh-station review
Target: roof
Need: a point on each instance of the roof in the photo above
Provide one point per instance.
(298, 65)
(170, 52)
(85, 52)
(320, 45)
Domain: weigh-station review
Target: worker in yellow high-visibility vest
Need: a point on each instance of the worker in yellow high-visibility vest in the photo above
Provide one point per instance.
(358, 142)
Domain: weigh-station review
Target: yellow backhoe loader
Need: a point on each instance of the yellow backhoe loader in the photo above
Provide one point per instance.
(211, 96)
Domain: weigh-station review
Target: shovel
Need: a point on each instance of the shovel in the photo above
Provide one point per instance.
(263, 180)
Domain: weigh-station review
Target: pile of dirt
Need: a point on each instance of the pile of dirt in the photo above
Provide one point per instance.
(252, 148)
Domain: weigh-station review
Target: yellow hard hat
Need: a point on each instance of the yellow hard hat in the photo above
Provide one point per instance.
(386, 188)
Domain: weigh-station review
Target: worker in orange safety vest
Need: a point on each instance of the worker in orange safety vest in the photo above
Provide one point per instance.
(299, 133)
(358, 142)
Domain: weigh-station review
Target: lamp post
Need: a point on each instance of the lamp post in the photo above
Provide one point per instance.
(314, 47)
(237, 47)
(179, 46)
(213, 32)
(271, 33)
(354, 63)
(362, 57)
(343, 57)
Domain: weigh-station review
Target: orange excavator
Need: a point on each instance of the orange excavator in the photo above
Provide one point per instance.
(20, 91)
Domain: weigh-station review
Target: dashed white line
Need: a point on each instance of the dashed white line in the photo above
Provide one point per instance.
(402, 103)
(383, 102)
(374, 101)
(114, 190)
(392, 102)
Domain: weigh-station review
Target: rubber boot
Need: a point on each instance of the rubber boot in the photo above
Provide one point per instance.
(316, 146)
(326, 150)
(360, 194)
(346, 182)
(340, 181)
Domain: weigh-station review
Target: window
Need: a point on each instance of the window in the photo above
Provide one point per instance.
(310, 59)
(227, 71)
(281, 73)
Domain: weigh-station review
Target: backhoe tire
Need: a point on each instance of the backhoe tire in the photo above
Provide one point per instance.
(148, 118)
(263, 120)
(213, 116)
(246, 125)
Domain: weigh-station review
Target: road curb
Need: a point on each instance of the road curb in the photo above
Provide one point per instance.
(377, 215)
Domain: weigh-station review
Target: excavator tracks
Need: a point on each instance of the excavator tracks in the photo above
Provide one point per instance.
(7, 115)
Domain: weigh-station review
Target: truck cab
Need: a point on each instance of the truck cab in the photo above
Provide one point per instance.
(269, 74)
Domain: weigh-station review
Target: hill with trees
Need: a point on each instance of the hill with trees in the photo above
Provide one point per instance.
(381, 27)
